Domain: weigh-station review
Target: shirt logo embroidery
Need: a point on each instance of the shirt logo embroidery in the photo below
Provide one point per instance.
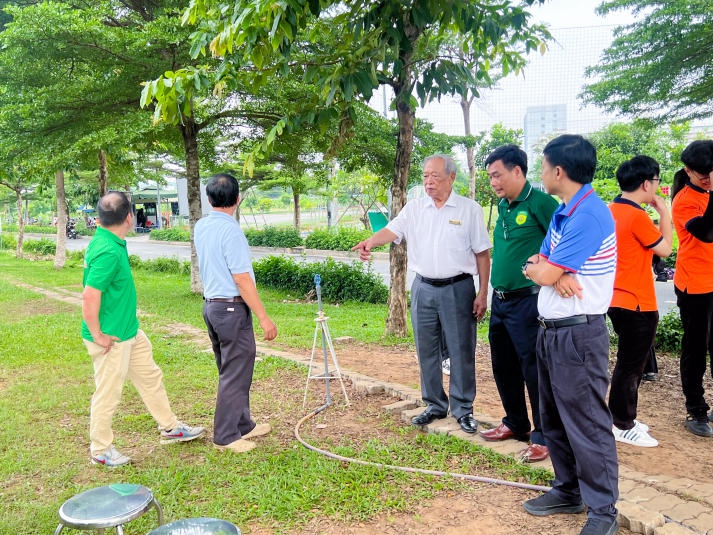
(521, 218)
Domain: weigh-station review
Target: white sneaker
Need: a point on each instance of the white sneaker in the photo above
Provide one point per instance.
(635, 437)
(641, 426)
(446, 366)
(111, 457)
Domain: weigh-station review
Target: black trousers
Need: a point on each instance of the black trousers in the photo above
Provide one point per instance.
(230, 328)
(636, 331)
(513, 336)
(696, 314)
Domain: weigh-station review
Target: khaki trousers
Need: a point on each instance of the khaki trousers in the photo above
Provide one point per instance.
(132, 358)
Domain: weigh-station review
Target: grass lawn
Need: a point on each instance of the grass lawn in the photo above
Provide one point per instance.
(46, 384)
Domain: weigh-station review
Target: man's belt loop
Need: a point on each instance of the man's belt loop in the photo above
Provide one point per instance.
(444, 282)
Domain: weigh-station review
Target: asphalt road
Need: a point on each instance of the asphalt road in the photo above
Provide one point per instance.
(147, 249)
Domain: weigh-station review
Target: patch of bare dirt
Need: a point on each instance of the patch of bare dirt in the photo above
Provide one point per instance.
(661, 406)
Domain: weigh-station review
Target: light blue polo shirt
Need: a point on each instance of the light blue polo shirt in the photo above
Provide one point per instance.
(222, 252)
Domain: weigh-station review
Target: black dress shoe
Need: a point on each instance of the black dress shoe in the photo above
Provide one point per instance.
(468, 423)
(426, 417)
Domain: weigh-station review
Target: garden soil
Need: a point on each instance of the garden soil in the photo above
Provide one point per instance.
(497, 510)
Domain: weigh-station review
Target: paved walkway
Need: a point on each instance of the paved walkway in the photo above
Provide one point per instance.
(648, 504)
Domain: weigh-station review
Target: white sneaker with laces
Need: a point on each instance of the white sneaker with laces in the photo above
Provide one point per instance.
(634, 436)
(446, 366)
(641, 426)
(111, 458)
(181, 433)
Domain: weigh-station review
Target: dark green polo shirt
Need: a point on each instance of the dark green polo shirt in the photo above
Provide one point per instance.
(106, 268)
(519, 231)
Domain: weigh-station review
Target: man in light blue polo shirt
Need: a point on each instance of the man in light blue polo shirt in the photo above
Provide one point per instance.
(575, 268)
(231, 298)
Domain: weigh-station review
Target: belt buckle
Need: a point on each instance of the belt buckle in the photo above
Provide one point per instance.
(542, 322)
(499, 293)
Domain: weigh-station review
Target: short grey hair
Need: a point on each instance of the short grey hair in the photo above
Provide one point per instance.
(451, 167)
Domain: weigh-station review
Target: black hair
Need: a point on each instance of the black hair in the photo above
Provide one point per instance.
(632, 173)
(511, 155)
(574, 154)
(113, 208)
(698, 157)
(222, 190)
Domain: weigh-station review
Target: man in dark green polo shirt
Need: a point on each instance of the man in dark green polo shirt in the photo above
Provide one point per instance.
(524, 215)
(110, 330)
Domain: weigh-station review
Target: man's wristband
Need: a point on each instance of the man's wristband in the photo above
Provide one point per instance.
(524, 269)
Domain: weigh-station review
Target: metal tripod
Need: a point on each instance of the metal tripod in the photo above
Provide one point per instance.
(321, 326)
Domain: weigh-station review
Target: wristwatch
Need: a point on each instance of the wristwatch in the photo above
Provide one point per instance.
(524, 269)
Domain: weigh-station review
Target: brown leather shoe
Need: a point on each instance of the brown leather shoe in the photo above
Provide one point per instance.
(503, 432)
(534, 453)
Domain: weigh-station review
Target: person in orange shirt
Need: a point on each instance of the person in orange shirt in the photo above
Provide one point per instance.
(692, 212)
(633, 310)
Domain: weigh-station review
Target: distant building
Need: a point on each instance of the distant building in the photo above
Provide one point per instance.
(542, 122)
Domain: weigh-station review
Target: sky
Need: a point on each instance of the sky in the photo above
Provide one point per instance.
(556, 77)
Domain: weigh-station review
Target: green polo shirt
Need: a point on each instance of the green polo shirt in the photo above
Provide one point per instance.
(106, 268)
(519, 231)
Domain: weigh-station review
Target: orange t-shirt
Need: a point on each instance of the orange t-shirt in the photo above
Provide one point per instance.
(636, 234)
(694, 260)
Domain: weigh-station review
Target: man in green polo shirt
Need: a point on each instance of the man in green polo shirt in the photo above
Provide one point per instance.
(110, 330)
(524, 215)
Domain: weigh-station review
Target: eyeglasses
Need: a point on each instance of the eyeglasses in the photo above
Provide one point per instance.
(657, 180)
(505, 229)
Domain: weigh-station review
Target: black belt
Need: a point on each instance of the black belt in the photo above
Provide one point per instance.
(444, 282)
(568, 321)
(235, 299)
(520, 292)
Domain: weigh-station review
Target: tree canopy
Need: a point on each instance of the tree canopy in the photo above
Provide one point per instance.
(661, 66)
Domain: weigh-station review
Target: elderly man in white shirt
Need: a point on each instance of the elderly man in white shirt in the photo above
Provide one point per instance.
(448, 245)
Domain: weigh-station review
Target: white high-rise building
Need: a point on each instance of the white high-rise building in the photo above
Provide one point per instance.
(542, 122)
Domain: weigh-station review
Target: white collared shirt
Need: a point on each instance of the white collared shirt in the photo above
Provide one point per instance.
(442, 242)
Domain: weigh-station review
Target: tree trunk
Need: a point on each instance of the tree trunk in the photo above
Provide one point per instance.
(60, 255)
(103, 173)
(189, 132)
(297, 211)
(465, 107)
(20, 223)
(396, 323)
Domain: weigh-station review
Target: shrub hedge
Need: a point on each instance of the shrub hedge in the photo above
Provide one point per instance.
(342, 239)
(669, 332)
(340, 281)
(171, 234)
(274, 237)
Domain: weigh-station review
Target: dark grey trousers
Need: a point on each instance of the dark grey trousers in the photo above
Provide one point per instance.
(230, 328)
(448, 311)
(573, 373)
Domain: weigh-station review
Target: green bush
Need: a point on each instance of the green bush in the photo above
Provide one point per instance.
(669, 333)
(171, 234)
(7, 241)
(34, 229)
(274, 237)
(341, 240)
(43, 246)
(340, 281)
(670, 260)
